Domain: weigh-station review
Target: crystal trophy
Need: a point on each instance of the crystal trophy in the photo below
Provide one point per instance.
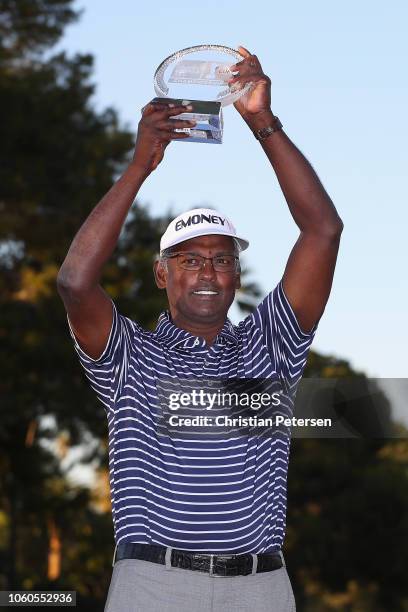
(199, 76)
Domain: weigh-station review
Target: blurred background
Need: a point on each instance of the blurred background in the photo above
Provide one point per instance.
(73, 78)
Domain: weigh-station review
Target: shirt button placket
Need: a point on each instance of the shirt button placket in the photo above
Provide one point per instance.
(208, 362)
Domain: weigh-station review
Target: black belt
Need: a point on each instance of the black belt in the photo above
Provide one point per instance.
(215, 565)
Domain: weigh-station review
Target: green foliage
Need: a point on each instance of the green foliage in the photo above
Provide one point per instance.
(58, 158)
(347, 525)
(347, 498)
(28, 27)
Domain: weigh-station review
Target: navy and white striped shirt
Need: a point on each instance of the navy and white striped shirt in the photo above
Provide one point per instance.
(212, 496)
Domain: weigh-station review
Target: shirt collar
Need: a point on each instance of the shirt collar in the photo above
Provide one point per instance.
(178, 338)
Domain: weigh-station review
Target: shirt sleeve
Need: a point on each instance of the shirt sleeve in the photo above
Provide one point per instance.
(287, 344)
(107, 374)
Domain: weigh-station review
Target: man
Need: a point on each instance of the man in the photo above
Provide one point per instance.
(186, 511)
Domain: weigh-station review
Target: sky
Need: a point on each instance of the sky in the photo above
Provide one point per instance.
(340, 87)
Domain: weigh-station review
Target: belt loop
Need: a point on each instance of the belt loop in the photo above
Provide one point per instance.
(167, 558)
(114, 553)
(254, 563)
(283, 558)
(211, 570)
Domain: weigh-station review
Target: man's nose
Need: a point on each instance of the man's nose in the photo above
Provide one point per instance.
(207, 271)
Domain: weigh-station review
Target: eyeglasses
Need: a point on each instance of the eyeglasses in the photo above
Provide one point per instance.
(194, 262)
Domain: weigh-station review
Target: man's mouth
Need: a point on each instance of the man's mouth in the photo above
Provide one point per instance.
(205, 292)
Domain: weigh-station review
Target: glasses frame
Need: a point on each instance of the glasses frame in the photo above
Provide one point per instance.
(203, 259)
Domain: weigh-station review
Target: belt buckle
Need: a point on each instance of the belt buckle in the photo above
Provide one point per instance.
(211, 570)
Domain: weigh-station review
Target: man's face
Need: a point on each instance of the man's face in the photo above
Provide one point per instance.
(182, 286)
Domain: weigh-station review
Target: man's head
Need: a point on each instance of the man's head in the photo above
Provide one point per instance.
(199, 268)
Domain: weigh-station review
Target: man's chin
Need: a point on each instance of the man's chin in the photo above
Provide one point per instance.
(202, 312)
(207, 314)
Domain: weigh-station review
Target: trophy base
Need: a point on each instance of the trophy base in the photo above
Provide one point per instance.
(206, 113)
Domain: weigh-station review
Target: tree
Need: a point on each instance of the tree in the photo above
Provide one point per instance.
(58, 157)
(347, 500)
(28, 27)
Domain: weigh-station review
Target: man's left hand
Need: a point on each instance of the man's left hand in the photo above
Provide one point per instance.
(258, 99)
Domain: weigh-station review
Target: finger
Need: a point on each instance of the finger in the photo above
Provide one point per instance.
(236, 66)
(154, 107)
(167, 135)
(170, 112)
(164, 115)
(179, 110)
(172, 109)
(150, 108)
(178, 135)
(239, 81)
(246, 54)
(244, 51)
(255, 63)
(174, 123)
(249, 65)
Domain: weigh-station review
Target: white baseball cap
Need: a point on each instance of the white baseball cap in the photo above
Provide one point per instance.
(199, 222)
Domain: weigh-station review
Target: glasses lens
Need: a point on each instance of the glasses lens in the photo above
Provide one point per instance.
(224, 263)
(188, 261)
(221, 263)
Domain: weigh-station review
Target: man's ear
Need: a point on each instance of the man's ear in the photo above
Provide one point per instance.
(238, 281)
(160, 275)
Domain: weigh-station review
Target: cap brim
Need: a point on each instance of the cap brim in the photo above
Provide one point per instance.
(241, 242)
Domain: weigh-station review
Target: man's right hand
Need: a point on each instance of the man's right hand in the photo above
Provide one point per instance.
(155, 131)
(88, 306)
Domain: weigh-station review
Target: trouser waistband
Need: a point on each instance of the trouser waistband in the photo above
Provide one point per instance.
(218, 564)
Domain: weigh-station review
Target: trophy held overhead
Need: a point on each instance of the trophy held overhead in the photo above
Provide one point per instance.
(201, 81)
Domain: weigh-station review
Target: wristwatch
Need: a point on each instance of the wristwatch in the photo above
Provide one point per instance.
(264, 132)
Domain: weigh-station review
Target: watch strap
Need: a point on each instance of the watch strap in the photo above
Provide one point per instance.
(266, 131)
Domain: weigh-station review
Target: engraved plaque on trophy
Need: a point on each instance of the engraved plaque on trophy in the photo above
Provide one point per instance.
(199, 76)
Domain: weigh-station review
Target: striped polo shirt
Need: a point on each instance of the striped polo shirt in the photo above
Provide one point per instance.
(205, 495)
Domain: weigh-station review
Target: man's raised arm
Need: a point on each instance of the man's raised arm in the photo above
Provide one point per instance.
(309, 271)
(89, 308)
